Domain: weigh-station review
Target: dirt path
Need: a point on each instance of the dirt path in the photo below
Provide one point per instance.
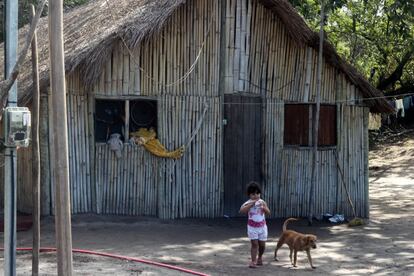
(220, 247)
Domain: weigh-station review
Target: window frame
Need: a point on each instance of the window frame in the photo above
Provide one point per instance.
(127, 104)
(311, 114)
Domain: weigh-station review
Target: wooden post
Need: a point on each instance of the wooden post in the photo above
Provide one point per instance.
(60, 140)
(44, 154)
(316, 117)
(35, 155)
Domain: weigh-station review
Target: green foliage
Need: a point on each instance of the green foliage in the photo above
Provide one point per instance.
(376, 36)
(311, 9)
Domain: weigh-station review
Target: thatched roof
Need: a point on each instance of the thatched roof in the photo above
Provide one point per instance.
(91, 33)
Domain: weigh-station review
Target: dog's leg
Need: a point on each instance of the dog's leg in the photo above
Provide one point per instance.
(279, 245)
(310, 258)
(295, 257)
(290, 255)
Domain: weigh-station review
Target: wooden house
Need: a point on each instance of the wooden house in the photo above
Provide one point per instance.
(239, 76)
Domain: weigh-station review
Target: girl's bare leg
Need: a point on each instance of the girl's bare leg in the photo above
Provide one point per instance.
(254, 250)
(262, 247)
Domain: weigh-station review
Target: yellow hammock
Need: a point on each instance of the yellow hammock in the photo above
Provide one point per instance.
(147, 139)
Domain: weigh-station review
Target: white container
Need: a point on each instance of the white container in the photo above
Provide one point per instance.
(17, 125)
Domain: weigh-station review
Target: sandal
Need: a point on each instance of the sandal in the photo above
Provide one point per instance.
(252, 265)
(259, 262)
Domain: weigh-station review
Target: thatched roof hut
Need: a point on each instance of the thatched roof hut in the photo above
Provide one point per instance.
(92, 30)
(237, 76)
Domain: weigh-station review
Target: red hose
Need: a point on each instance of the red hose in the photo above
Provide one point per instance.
(51, 249)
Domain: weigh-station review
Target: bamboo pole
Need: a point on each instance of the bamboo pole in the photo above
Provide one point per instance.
(78, 156)
(87, 154)
(108, 76)
(35, 153)
(98, 167)
(51, 144)
(81, 152)
(308, 74)
(316, 121)
(92, 151)
(72, 148)
(135, 183)
(179, 164)
(125, 73)
(44, 153)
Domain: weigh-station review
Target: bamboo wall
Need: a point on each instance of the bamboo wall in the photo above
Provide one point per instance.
(138, 183)
(261, 59)
(24, 177)
(288, 169)
(80, 133)
(193, 187)
(166, 63)
(141, 184)
(206, 49)
(126, 186)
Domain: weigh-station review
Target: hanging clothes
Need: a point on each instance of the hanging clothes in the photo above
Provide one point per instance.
(116, 144)
(407, 103)
(399, 105)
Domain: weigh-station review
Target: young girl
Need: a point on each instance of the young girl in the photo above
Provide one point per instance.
(256, 209)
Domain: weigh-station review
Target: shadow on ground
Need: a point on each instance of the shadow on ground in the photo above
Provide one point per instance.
(220, 247)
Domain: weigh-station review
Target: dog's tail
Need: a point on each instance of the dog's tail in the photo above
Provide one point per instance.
(286, 222)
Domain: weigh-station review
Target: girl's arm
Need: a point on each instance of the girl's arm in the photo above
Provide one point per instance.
(265, 208)
(246, 207)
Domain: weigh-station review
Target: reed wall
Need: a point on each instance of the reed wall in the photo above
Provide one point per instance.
(207, 49)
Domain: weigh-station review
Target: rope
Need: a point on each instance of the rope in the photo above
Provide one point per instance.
(199, 123)
(179, 80)
(196, 130)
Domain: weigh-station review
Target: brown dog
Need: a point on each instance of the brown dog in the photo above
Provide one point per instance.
(296, 242)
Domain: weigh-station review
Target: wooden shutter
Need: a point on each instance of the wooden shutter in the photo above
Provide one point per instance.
(327, 126)
(296, 130)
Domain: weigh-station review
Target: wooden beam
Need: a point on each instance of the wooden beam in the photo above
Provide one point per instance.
(314, 179)
(35, 154)
(60, 139)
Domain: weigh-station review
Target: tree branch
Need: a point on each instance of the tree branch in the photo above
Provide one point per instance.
(396, 75)
(6, 85)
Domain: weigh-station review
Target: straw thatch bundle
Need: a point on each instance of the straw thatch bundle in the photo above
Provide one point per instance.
(91, 32)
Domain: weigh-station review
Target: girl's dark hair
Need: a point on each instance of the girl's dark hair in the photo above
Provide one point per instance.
(253, 187)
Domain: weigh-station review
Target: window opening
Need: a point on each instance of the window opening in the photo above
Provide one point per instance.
(299, 125)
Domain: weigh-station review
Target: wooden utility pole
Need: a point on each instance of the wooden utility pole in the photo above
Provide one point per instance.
(316, 117)
(60, 140)
(35, 155)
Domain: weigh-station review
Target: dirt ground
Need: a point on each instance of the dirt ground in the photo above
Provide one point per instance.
(219, 247)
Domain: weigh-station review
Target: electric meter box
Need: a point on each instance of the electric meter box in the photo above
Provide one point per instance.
(17, 124)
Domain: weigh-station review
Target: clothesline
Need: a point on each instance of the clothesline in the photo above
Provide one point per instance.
(281, 102)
